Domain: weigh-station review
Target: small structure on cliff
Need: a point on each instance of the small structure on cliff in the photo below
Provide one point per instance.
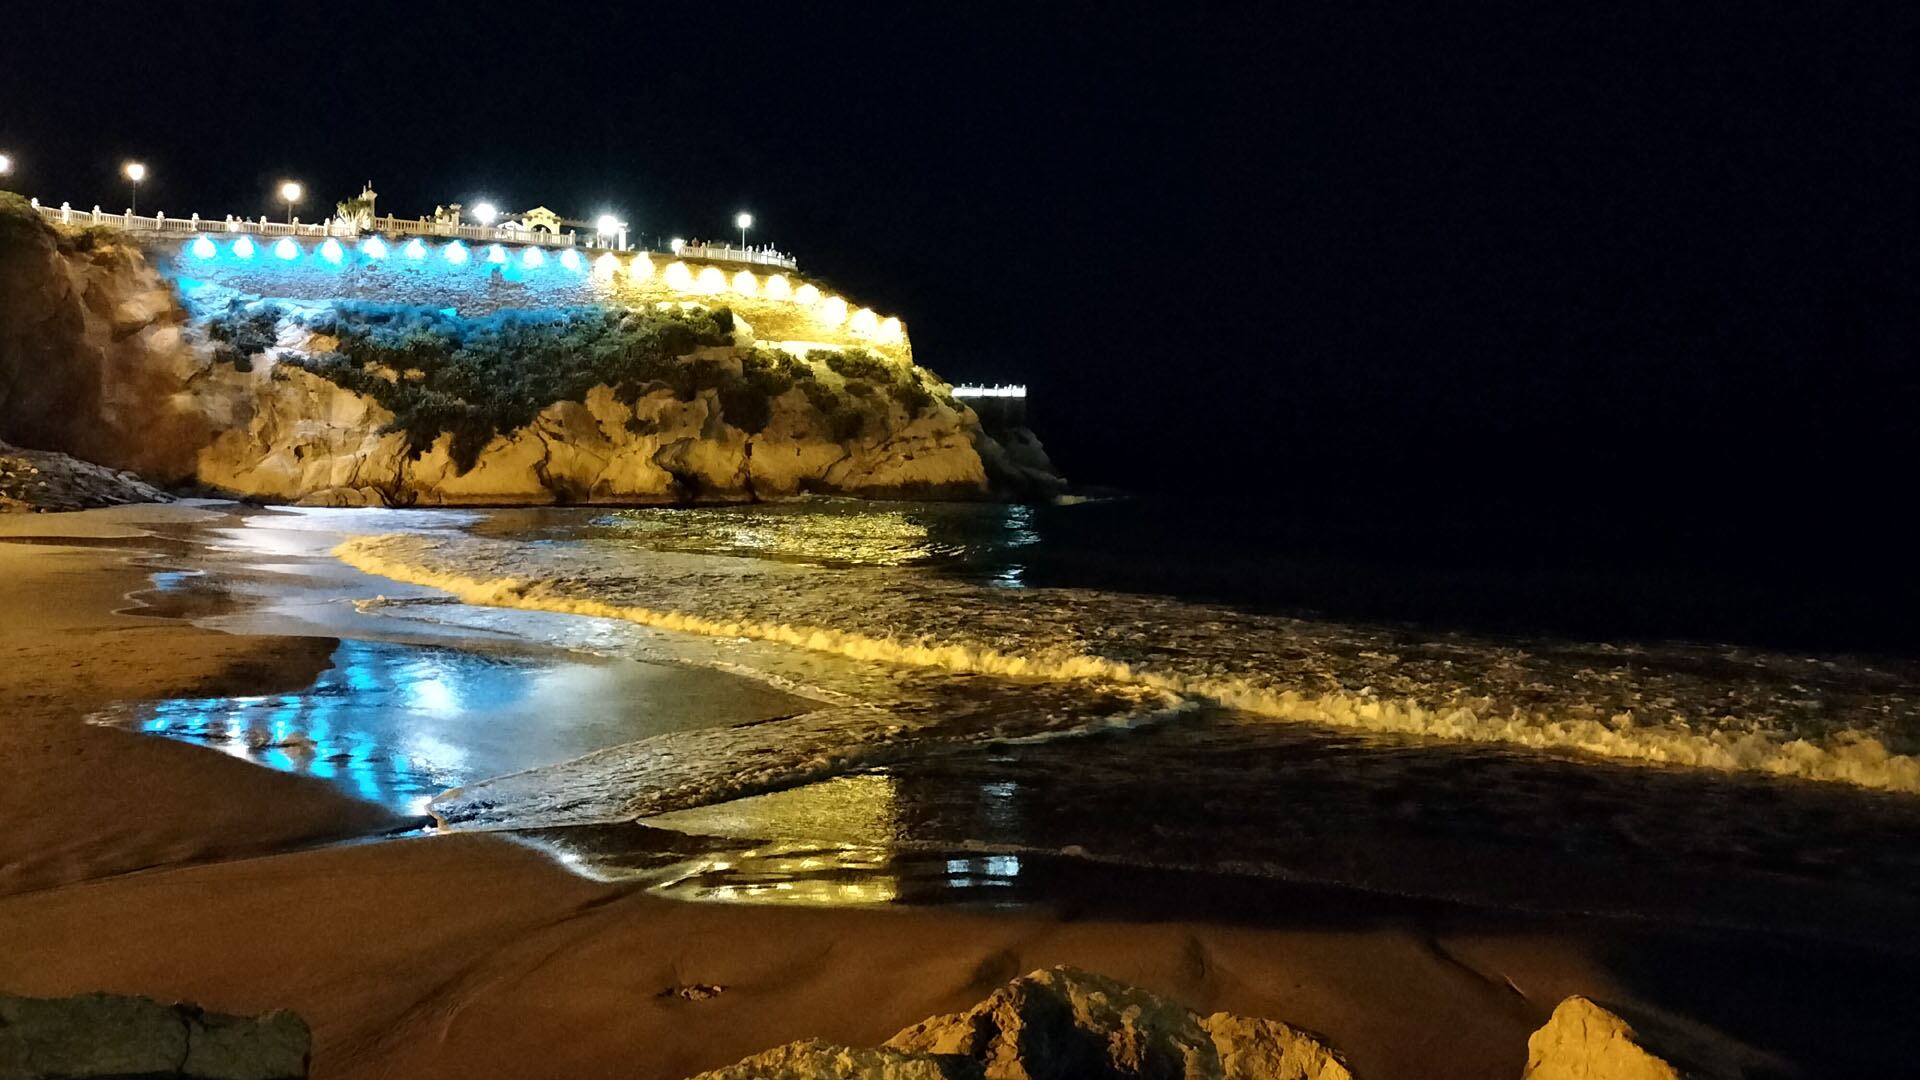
(358, 211)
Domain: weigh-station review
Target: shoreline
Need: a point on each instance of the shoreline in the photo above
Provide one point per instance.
(156, 867)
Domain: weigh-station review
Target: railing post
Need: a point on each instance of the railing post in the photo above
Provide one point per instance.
(66, 213)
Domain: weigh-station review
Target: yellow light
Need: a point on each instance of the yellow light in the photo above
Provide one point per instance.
(745, 284)
(865, 323)
(806, 296)
(833, 311)
(641, 268)
(136, 172)
(679, 278)
(289, 192)
(605, 266)
(711, 280)
(891, 331)
(777, 288)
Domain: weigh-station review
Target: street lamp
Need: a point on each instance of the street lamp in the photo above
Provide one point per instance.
(6, 165)
(743, 221)
(290, 192)
(136, 172)
(608, 225)
(485, 213)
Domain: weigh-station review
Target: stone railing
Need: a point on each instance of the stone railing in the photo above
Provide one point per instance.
(729, 253)
(162, 225)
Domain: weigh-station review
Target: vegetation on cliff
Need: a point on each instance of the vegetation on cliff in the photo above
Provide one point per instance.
(479, 377)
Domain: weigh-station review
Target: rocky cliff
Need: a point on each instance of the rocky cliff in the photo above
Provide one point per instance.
(104, 356)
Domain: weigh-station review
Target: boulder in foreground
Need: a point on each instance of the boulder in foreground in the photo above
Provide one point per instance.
(1065, 1024)
(1584, 1040)
(112, 1035)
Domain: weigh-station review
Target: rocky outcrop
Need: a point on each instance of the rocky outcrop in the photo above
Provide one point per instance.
(101, 358)
(308, 440)
(815, 1060)
(1065, 1024)
(1584, 1040)
(38, 480)
(110, 1035)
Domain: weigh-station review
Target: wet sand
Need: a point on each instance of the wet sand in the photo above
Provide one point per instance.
(469, 955)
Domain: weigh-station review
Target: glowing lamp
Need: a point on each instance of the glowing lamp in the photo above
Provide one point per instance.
(415, 249)
(203, 248)
(135, 171)
(6, 164)
(806, 295)
(864, 323)
(330, 251)
(640, 269)
(533, 258)
(711, 280)
(286, 249)
(778, 288)
(570, 259)
(606, 266)
(745, 284)
(832, 311)
(607, 225)
(675, 245)
(374, 248)
(485, 213)
(243, 248)
(743, 220)
(496, 253)
(679, 278)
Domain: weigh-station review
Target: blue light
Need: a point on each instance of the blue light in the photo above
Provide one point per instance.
(532, 257)
(414, 249)
(496, 253)
(374, 248)
(287, 249)
(203, 248)
(243, 248)
(456, 253)
(570, 259)
(330, 251)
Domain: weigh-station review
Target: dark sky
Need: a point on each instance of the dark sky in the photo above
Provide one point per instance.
(1567, 266)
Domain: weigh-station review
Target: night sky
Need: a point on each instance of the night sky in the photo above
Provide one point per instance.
(1651, 273)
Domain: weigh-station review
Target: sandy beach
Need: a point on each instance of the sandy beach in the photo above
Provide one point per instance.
(143, 865)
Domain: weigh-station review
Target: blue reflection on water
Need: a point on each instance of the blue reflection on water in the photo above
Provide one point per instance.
(393, 724)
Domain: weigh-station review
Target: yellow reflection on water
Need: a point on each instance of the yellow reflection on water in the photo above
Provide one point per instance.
(890, 538)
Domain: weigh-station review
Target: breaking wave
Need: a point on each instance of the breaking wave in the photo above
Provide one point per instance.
(1692, 706)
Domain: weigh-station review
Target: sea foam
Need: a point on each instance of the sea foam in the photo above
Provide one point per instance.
(723, 598)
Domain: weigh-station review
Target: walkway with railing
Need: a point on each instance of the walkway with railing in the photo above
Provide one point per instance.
(729, 253)
(193, 224)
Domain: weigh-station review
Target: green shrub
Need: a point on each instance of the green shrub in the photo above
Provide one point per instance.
(480, 377)
(242, 332)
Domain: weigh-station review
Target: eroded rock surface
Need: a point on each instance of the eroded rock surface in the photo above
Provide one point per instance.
(1584, 1040)
(1066, 1024)
(815, 1060)
(38, 480)
(115, 1036)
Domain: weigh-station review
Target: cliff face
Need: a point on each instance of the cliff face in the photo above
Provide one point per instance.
(101, 358)
(308, 440)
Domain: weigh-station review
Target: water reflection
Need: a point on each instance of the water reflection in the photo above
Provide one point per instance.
(397, 724)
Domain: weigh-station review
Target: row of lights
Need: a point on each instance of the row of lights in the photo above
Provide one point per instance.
(828, 309)
(291, 193)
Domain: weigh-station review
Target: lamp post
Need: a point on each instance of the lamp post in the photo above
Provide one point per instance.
(136, 172)
(743, 221)
(608, 225)
(290, 192)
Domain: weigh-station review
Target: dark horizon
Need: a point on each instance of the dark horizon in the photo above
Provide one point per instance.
(1625, 273)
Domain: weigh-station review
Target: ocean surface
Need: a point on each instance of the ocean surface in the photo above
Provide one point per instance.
(967, 701)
